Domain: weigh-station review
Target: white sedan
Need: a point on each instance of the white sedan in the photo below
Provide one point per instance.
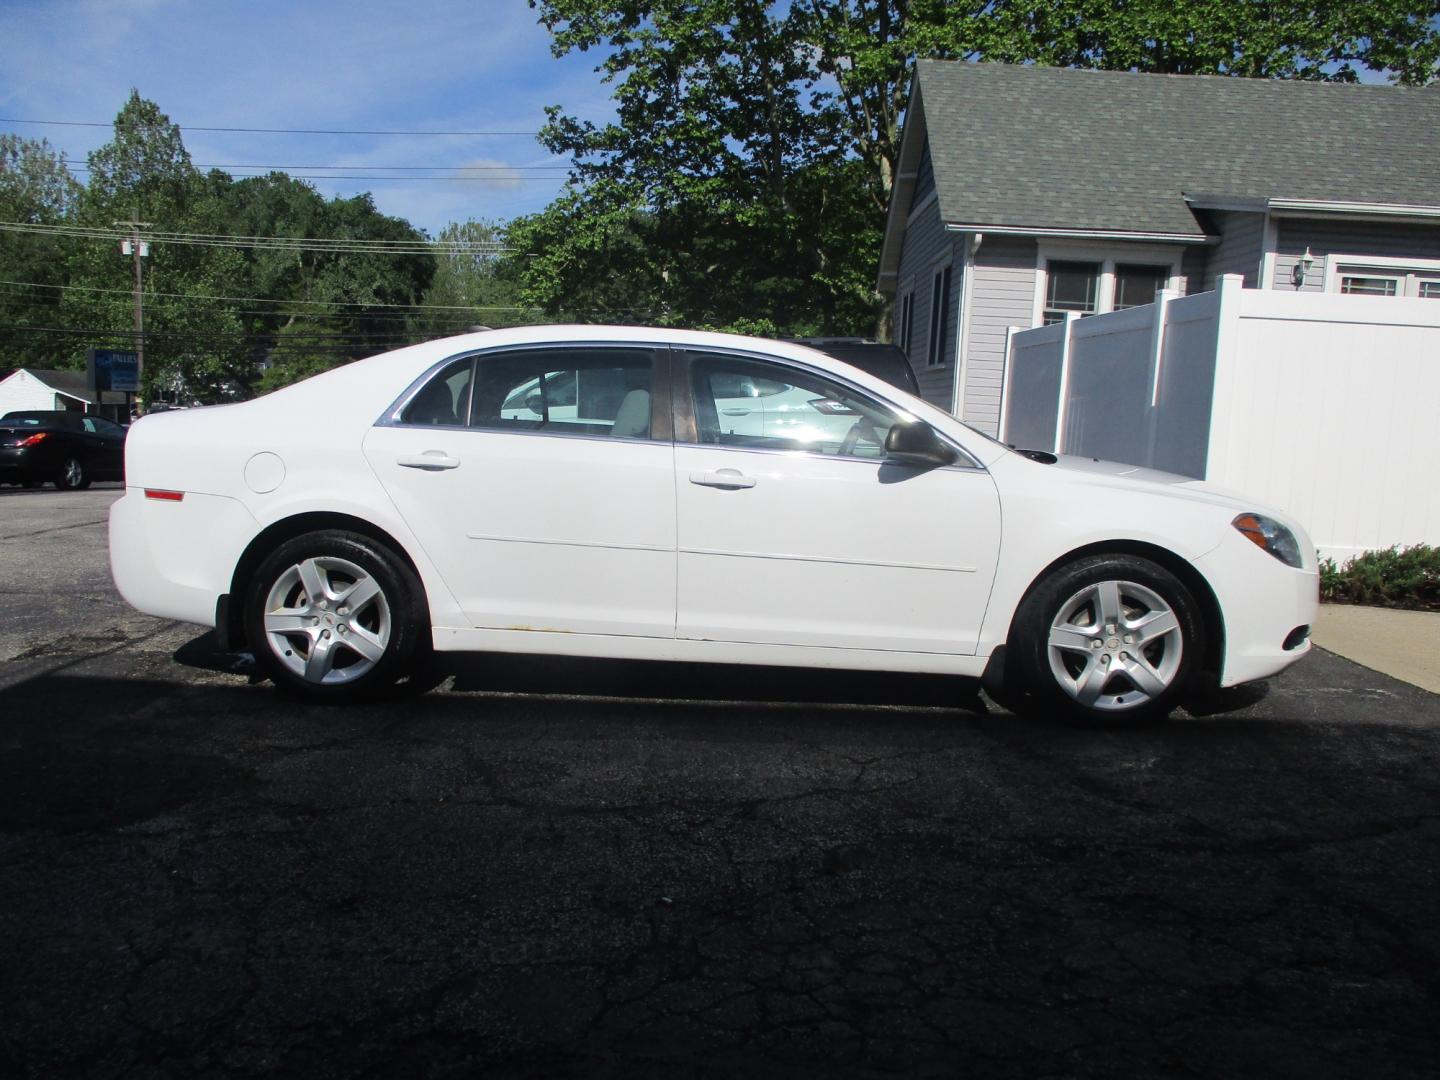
(593, 491)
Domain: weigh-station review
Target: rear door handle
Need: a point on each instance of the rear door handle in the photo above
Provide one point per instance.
(722, 478)
(430, 461)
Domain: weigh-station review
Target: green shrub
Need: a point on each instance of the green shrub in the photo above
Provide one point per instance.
(1396, 577)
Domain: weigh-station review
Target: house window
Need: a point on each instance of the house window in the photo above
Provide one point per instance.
(906, 325)
(1137, 285)
(1358, 276)
(1071, 286)
(1370, 286)
(939, 317)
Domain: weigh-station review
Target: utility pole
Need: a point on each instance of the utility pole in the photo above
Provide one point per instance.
(137, 249)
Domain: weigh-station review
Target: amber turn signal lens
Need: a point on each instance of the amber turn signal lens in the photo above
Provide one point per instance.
(1249, 526)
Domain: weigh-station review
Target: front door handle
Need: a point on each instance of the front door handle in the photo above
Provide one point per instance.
(723, 478)
(430, 461)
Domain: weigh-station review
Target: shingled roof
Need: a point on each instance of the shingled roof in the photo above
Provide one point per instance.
(1065, 149)
(70, 383)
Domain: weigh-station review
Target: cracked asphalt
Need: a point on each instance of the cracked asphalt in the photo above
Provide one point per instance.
(546, 868)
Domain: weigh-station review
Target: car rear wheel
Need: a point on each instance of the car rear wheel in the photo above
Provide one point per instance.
(1110, 639)
(336, 616)
(72, 476)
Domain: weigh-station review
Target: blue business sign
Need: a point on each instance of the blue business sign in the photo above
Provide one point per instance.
(107, 369)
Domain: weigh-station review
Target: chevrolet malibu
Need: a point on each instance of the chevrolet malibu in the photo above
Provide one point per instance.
(637, 493)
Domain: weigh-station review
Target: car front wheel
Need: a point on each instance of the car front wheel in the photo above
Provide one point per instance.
(1110, 639)
(335, 616)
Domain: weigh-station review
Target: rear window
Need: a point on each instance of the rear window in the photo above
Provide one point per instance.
(40, 419)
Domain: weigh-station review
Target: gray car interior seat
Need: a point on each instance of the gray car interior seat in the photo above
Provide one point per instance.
(632, 419)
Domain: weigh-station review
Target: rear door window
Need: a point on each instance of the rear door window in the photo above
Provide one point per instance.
(566, 391)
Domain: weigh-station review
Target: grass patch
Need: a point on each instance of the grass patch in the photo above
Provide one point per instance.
(1395, 577)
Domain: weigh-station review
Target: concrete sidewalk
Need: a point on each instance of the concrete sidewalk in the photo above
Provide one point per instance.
(1402, 644)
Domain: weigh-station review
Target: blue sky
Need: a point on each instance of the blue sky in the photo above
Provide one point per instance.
(451, 65)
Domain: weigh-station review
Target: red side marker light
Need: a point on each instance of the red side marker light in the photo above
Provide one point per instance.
(164, 496)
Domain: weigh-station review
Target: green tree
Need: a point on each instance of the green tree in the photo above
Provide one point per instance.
(36, 188)
(472, 285)
(194, 342)
(740, 188)
(739, 122)
(331, 296)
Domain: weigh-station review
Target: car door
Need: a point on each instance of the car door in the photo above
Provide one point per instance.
(559, 519)
(804, 534)
(107, 448)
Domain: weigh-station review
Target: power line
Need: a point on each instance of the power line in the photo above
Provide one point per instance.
(419, 246)
(367, 176)
(266, 300)
(276, 131)
(394, 168)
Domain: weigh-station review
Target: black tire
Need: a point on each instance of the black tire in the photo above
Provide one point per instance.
(72, 475)
(357, 654)
(1136, 672)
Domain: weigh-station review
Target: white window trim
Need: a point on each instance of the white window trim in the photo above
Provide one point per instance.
(1405, 270)
(1108, 256)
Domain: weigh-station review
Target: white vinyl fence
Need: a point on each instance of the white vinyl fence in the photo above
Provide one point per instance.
(1326, 406)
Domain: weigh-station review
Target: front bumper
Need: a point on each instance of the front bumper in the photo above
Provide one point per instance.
(1264, 603)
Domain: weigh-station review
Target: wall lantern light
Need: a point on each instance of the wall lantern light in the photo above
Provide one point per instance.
(1301, 269)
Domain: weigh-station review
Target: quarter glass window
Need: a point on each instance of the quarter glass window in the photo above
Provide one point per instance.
(445, 398)
(565, 392)
(762, 406)
(1070, 286)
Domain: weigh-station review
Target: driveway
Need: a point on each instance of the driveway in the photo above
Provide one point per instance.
(581, 869)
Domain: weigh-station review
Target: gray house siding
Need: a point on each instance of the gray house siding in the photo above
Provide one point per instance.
(1002, 295)
(926, 248)
(1240, 250)
(1346, 238)
(1193, 263)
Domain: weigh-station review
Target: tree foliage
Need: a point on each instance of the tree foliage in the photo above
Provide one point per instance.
(215, 312)
(474, 285)
(739, 123)
(35, 189)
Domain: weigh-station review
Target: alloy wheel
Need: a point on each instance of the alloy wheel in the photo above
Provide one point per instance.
(1115, 646)
(327, 620)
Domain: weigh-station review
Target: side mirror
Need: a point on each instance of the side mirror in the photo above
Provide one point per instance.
(917, 444)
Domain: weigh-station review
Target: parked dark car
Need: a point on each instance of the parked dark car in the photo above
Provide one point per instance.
(886, 362)
(68, 449)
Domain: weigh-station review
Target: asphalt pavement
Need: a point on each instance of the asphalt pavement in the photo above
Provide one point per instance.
(565, 868)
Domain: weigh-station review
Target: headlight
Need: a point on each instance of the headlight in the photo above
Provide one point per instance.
(1269, 535)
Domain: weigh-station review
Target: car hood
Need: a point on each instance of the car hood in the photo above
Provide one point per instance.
(1129, 477)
